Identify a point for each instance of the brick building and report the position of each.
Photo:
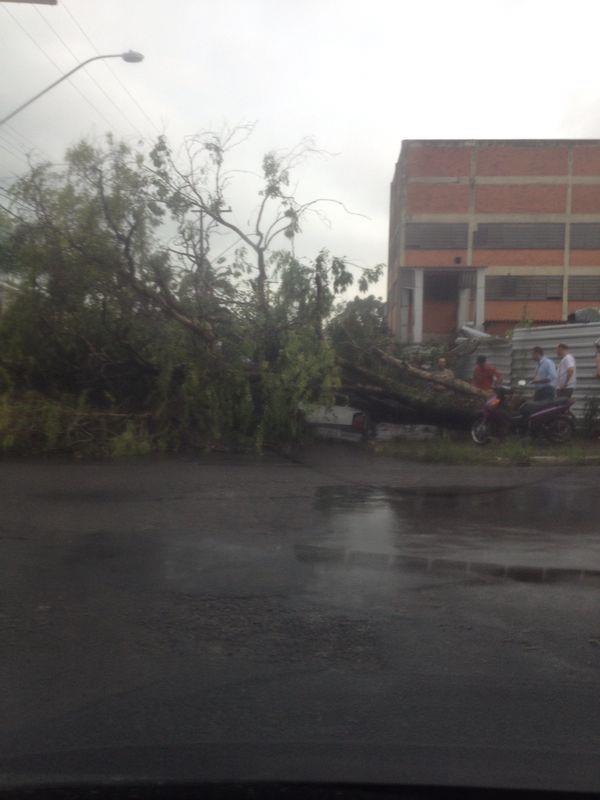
(492, 232)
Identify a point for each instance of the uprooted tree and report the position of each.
(147, 316)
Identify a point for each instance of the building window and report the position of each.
(436, 236)
(520, 236)
(526, 287)
(585, 236)
(584, 287)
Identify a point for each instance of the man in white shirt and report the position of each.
(566, 372)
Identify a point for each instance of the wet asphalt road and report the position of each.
(333, 617)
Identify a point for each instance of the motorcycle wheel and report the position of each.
(560, 430)
(480, 431)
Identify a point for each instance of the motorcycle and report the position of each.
(501, 416)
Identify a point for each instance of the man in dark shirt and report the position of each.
(485, 376)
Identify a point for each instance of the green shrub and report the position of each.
(134, 441)
(590, 424)
(34, 425)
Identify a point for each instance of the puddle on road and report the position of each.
(535, 533)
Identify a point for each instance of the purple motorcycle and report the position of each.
(502, 416)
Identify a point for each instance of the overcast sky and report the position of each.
(358, 76)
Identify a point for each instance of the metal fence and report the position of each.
(512, 357)
(498, 353)
(580, 339)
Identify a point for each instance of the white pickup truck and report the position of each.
(338, 422)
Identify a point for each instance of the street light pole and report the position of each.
(130, 56)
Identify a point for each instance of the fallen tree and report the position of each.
(381, 376)
(412, 389)
(454, 384)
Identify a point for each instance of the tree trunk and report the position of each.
(455, 384)
(415, 393)
(261, 282)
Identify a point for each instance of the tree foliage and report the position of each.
(141, 301)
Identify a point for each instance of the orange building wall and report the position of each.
(585, 199)
(517, 310)
(586, 159)
(434, 258)
(518, 258)
(521, 199)
(441, 198)
(439, 317)
(439, 162)
(522, 160)
(585, 258)
(507, 200)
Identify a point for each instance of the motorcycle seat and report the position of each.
(532, 406)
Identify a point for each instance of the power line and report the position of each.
(19, 141)
(9, 147)
(20, 137)
(8, 211)
(90, 76)
(18, 204)
(229, 246)
(111, 70)
(20, 207)
(6, 193)
(54, 64)
(23, 141)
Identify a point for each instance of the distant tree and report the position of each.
(358, 326)
(195, 185)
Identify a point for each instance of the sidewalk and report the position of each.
(356, 465)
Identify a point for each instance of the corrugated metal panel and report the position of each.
(579, 338)
(513, 357)
(520, 236)
(497, 351)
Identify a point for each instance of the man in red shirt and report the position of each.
(485, 376)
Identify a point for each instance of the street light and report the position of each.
(130, 56)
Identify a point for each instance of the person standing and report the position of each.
(566, 376)
(443, 371)
(597, 343)
(544, 377)
(485, 376)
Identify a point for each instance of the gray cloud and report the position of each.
(357, 76)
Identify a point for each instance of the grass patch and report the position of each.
(511, 451)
